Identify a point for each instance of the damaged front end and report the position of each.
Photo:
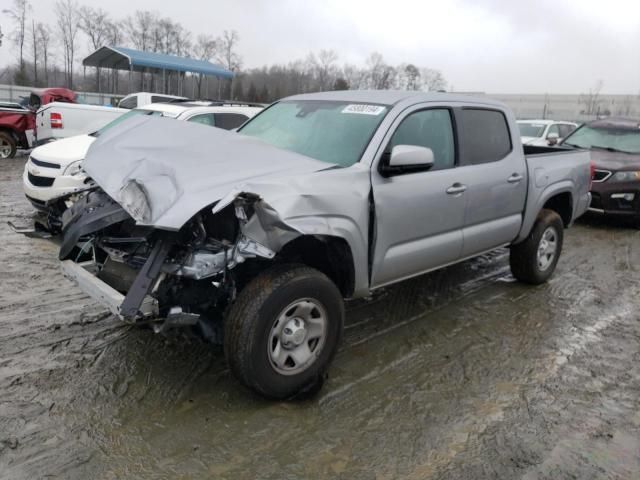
(168, 278)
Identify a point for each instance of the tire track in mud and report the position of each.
(461, 373)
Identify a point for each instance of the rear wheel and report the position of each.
(8, 147)
(534, 260)
(283, 331)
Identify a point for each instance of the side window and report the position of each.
(131, 102)
(565, 129)
(229, 121)
(160, 99)
(555, 128)
(205, 119)
(428, 128)
(484, 136)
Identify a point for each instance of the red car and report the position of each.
(17, 123)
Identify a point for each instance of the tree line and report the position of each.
(48, 54)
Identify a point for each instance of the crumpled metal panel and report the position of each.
(18, 121)
(185, 167)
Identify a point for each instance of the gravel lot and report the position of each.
(461, 374)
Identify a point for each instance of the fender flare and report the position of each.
(531, 211)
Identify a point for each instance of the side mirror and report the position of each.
(407, 159)
(411, 156)
(553, 138)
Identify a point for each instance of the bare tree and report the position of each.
(34, 50)
(432, 80)
(67, 16)
(1, 35)
(19, 14)
(95, 24)
(379, 76)
(115, 36)
(227, 55)
(139, 28)
(408, 77)
(43, 36)
(226, 52)
(591, 100)
(324, 68)
(204, 49)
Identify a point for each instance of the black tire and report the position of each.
(249, 322)
(524, 256)
(7, 138)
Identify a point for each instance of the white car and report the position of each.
(53, 174)
(544, 132)
(58, 120)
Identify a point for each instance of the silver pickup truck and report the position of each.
(318, 198)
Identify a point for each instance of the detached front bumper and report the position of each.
(101, 292)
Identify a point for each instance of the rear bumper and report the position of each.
(101, 292)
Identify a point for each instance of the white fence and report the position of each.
(14, 93)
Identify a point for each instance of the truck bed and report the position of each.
(552, 171)
(76, 119)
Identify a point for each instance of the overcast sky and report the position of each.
(495, 46)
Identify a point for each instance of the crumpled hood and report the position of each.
(182, 167)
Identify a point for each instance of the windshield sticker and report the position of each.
(363, 109)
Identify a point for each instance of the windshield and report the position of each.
(122, 118)
(622, 140)
(531, 129)
(332, 132)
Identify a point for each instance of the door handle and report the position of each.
(456, 188)
(515, 178)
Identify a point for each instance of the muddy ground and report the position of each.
(461, 374)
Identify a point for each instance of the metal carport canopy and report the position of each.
(121, 58)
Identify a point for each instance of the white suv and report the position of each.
(544, 132)
(53, 173)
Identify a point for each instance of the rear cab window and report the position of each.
(161, 99)
(483, 135)
(229, 121)
(129, 103)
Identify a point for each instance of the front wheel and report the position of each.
(534, 260)
(8, 147)
(283, 331)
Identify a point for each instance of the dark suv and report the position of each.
(615, 153)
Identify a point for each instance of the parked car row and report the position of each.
(544, 132)
(50, 114)
(254, 237)
(53, 175)
(615, 152)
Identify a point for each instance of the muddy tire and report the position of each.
(8, 147)
(283, 330)
(534, 260)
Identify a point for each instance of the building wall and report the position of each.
(569, 107)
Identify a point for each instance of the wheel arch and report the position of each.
(331, 255)
(557, 197)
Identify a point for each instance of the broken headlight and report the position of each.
(134, 200)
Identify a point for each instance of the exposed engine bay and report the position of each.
(190, 275)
